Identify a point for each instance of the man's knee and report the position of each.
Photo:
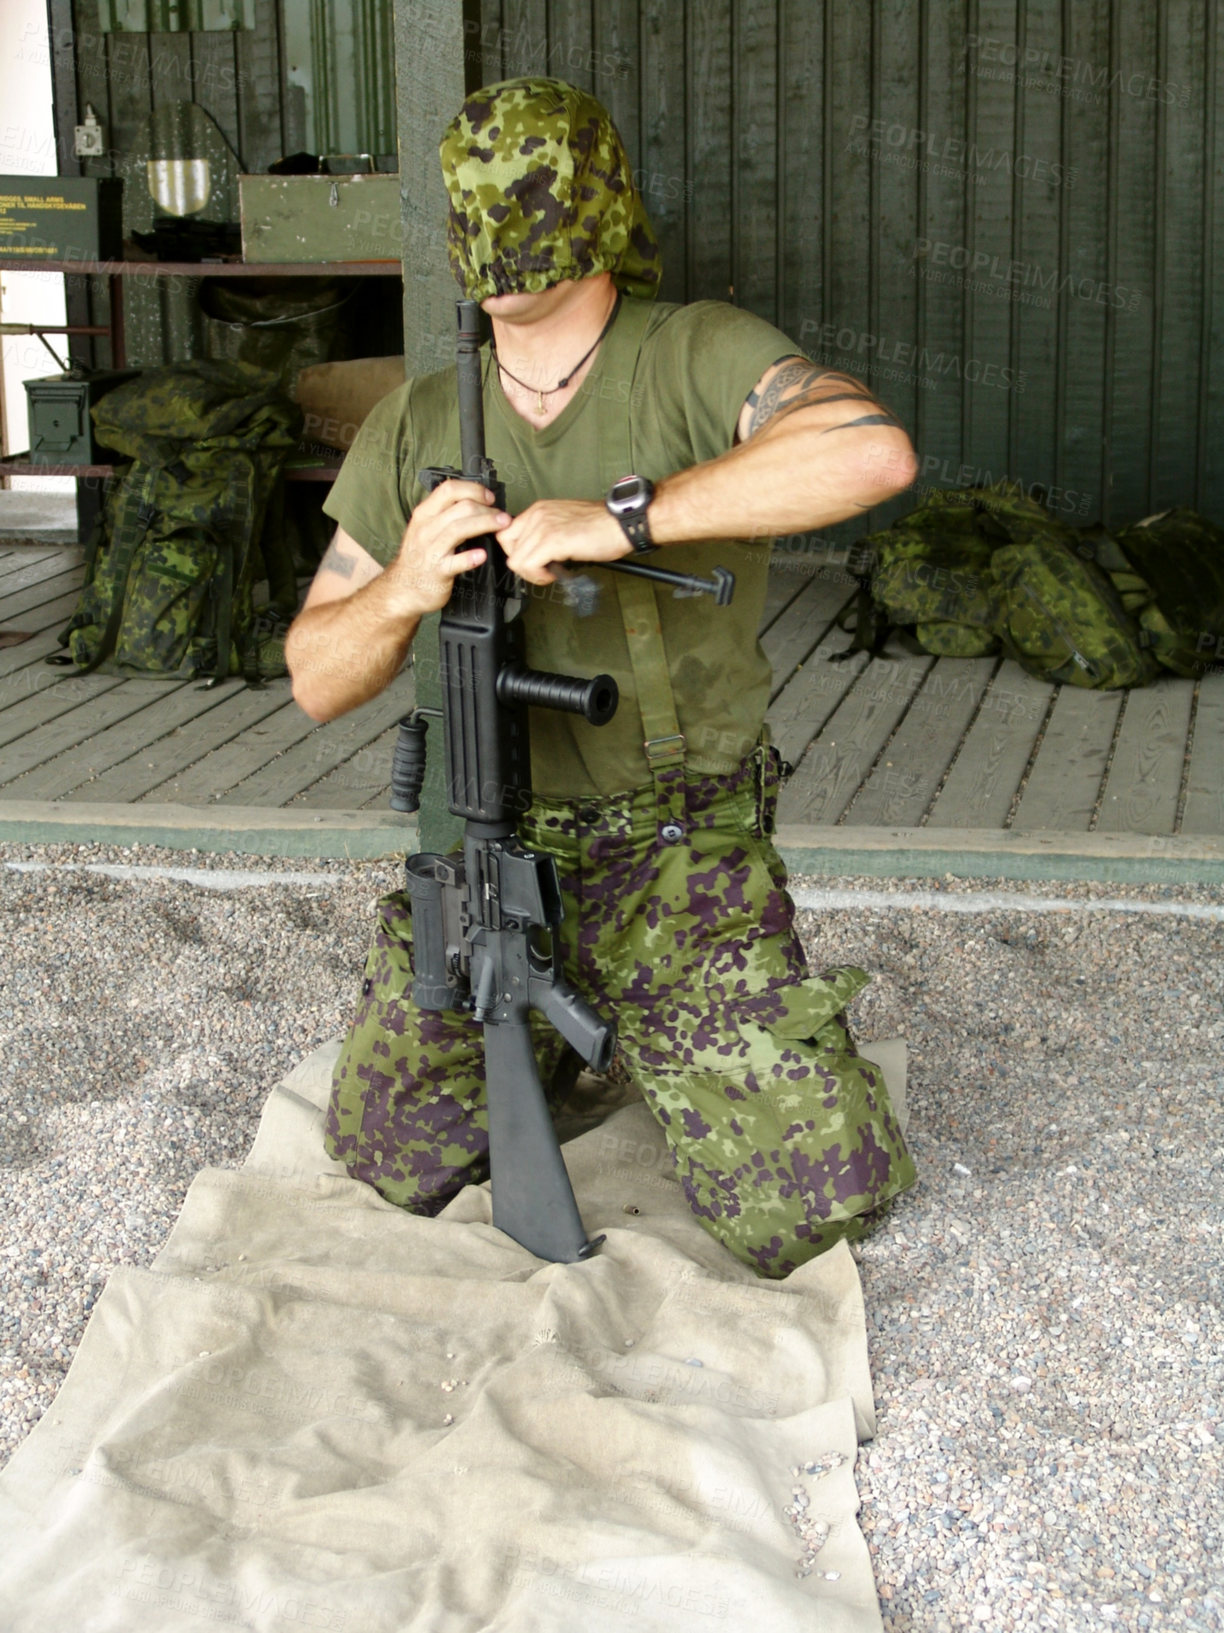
(761, 1219)
(782, 1160)
(776, 1252)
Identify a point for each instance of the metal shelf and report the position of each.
(17, 465)
(115, 270)
(207, 269)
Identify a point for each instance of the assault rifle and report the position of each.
(486, 923)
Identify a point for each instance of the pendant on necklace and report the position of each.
(539, 402)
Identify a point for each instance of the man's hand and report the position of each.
(559, 530)
(421, 577)
(352, 635)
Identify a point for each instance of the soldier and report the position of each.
(677, 918)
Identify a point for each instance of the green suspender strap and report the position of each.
(662, 738)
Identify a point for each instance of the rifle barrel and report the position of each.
(471, 393)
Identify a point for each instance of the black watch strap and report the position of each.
(629, 500)
(637, 531)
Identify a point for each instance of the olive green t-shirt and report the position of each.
(676, 406)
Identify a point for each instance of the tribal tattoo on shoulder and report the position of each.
(799, 383)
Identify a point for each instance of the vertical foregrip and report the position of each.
(533, 1200)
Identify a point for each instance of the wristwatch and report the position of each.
(628, 500)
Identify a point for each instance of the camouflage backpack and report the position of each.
(930, 579)
(189, 528)
(1178, 556)
(975, 571)
(1061, 615)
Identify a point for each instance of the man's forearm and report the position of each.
(794, 476)
(345, 652)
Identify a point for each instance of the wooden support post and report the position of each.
(82, 351)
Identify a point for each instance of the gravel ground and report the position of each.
(1044, 1310)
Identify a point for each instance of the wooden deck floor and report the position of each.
(901, 743)
(102, 739)
(979, 743)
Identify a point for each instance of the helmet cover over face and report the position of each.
(541, 190)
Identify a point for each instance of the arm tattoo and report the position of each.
(795, 382)
(336, 562)
(801, 384)
(867, 419)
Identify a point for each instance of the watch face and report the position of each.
(626, 490)
(630, 496)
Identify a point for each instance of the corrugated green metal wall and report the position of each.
(1008, 217)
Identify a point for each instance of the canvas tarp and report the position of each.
(315, 1411)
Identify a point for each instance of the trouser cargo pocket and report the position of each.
(408, 1112)
(785, 1137)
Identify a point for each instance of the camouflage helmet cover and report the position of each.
(541, 190)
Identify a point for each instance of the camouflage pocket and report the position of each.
(784, 1135)
(407, 1110)
(386, 984)
(168, 588)
(771, 771)
(366, 1050)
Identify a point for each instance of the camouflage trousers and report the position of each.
(783, 1136)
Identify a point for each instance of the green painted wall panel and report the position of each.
(1180, 192)
(1020, 282)
(696, 91)
(801, 198)
(1135, 123)
(523, 32)
(1005, 215)
(756, 224)
(940, 252)
(659, 152)
(617, 70)
(896, 203)
(982, 371)
(851, 163)
(1083, 222)
(1211, 402)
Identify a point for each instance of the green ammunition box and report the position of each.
(61, 431)
(61, 218)
(320, 218)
